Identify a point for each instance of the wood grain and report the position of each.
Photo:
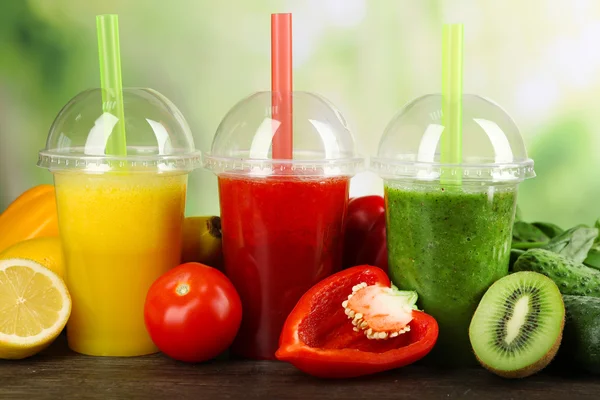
(61, 374)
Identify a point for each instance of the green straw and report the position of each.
(110, 79)
(452, 91)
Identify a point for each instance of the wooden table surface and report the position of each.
(58, 373)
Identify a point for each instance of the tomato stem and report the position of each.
(182, 289)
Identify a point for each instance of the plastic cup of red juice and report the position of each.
(282, 219)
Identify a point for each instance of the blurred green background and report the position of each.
(539, 59)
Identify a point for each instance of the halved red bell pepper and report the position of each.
(320, 339)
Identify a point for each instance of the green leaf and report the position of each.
(551, 230)
(574, 243)
(528, 245)
(518, 215)
(593, 258)
(526, 232)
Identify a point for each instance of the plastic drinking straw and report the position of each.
(107, 26)
(452, 91)
(281, 84)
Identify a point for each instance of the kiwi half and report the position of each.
(517, 327)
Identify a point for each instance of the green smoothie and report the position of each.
(449, 244)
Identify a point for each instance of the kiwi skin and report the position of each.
(537, 366)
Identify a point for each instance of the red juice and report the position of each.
(281, 235)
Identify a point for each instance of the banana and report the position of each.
(202, 241)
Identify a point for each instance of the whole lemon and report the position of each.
(46, 251)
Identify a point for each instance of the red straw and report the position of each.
(281, 84)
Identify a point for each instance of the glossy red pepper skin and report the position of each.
(318, 338)
(365, 235)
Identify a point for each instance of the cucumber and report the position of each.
(580, 346)
(571, 278)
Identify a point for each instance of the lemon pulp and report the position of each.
(34, 307)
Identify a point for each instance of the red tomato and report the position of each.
(374, 249)
(365, 236)
(192, 312)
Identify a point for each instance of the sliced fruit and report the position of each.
(45, 250)
(202, 241)
(380, 311)
(517, 327)
(318, 339)
(34, 307)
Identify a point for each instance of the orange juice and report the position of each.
(120, 232)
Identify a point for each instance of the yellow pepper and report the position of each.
(31, 215)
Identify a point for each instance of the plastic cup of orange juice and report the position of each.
(120, 216)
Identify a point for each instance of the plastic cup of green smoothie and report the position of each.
(449, 226)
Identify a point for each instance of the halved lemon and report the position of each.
(34, 307)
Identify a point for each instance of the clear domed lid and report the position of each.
(322, 143)
(492, 146)
(158, 138)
